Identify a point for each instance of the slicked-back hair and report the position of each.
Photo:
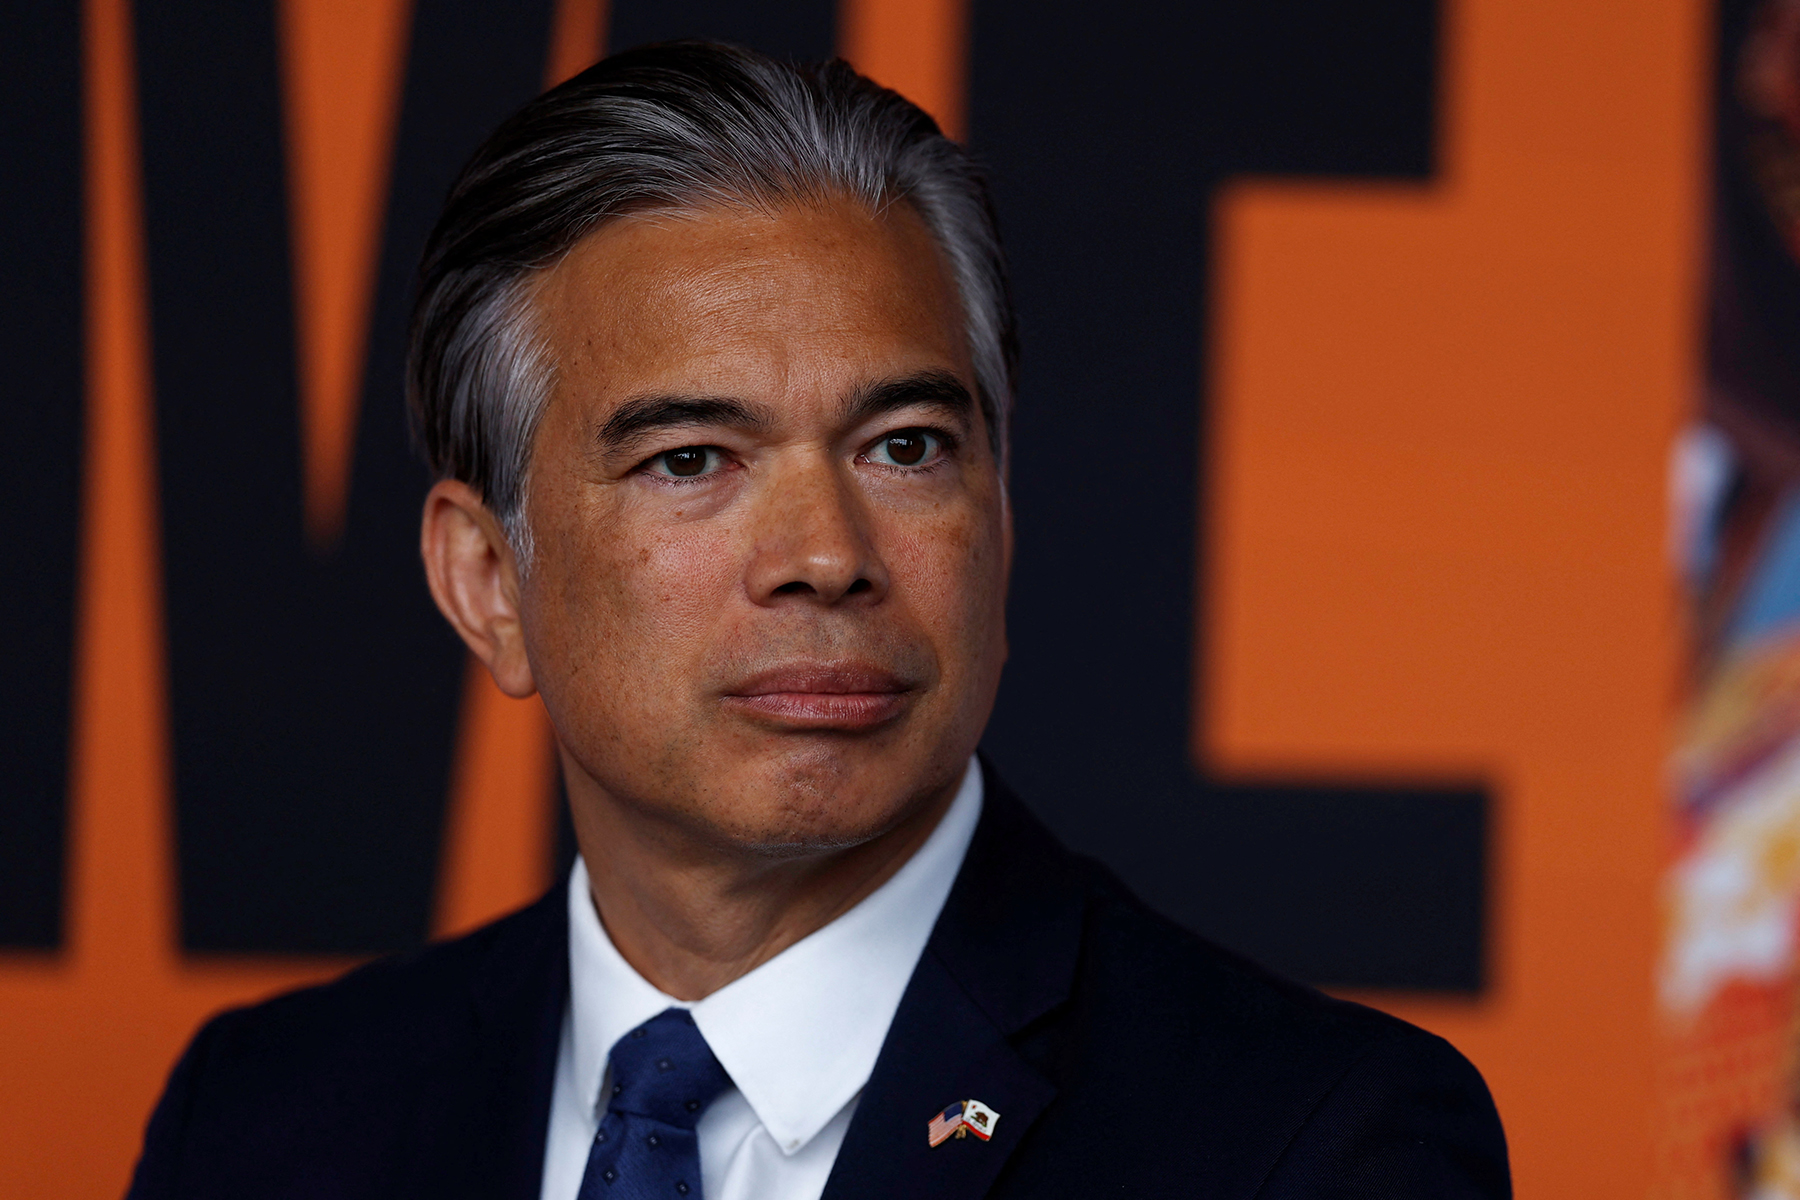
(681, 127)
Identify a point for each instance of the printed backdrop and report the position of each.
(1729, 970)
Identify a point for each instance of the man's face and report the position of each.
(767, 597)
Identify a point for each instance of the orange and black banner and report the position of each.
(313, 693)
(1354, 338)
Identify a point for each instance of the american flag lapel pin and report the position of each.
(945, 1123)
(960, 1120)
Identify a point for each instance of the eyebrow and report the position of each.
(641, 416)
(930, 389)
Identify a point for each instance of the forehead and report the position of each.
(809, 298)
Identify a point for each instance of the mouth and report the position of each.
(817, 696)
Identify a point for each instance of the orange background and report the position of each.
(1445, 407)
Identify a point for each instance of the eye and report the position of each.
(689, 462)
(906, 448)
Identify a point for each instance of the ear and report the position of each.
(475, 581)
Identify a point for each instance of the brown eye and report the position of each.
(686, 462)
(908, 448)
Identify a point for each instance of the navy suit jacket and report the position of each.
(1125, 1056)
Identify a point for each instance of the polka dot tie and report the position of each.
(663, 1077)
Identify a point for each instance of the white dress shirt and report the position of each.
(798, 1035)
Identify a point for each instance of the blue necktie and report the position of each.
(663, 1076)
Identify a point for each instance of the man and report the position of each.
(713, 358)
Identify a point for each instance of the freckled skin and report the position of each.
(644, 607)
(716, 835)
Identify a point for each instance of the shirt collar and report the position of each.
(799, 1035)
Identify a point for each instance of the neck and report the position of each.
(690, 915)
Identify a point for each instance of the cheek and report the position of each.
(953, 571)
(632, 614)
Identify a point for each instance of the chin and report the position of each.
(819, 804)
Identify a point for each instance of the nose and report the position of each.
(813, 543)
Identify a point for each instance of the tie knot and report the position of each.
(664, 1070)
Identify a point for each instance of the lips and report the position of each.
(822, 696)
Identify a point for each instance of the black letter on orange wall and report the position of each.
(1107, 127)
(41, 404)
(314, 695)
(798, 29)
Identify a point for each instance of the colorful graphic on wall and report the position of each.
(1729, 986)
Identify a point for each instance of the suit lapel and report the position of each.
(1002, 955)
(518, 999)
(940, 1049)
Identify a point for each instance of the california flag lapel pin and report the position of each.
(979, 1119)
(960, 1120)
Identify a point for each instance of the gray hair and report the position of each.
(679, 127)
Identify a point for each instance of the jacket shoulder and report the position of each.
(1145, 961)
(406, 1006)
(1273, 1086)
(346, 1075)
